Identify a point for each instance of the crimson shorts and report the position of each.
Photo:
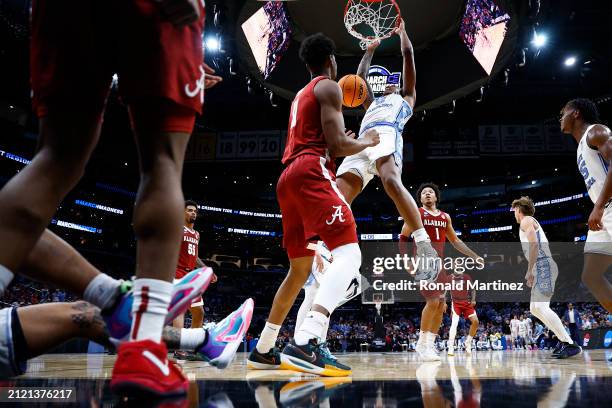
(443, 277)
(77, 46)
(463, 307)
(312, 206)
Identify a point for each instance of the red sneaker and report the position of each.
(143, 368)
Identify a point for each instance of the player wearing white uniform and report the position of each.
(387, 115)
(323, 258)
(542, 272)
(594, 155)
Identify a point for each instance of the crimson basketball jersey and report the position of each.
(189, 252)
(464, 294)
(305, 133)
(435, 226)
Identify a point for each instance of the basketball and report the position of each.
(354, 90)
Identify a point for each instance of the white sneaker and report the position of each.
(451, 350)
(429, 354)
(468, 348)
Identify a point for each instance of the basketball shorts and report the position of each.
(443, 277)
(363, 164)
(600, 242)
(313, 207)
(9, 367)
(352, 291)
(198, 301)
(78, 45)
(463, 307)
(545, 276)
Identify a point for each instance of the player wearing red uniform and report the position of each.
(189, 260)
(312, 206)
(156, 50)
(439, 227)
(463, 302)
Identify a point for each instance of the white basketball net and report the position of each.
(371, 20)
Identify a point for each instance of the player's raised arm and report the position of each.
(459, 245)
(329, 95)
(600, 137)
(409, 70)
(364, 68)
(528, 226)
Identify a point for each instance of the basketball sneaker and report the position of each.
(142, 368)
(119, 318)
(428, 354)
(325, 351)
(451, 350)
(264, 361)
(569, 350)
(468, 346)
(310, 359)
(557, 349)
(224, 339)
(430, 264)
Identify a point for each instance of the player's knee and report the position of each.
(392, 184)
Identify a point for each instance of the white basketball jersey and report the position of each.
(391, 110)
(543, 248)
(592, 166)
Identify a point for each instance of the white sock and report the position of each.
(338, 277)
(6, 276)
(542, 311)
(268, 337)
(309, 295)
(151, 300)
(431, 339)
(324, 332)
(192, 338)
(421, 340)
(312, 328)
(102, 291)
(420, 235)
(468, 341)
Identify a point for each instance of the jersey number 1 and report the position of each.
(437, 234)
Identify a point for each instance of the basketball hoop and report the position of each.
(371, 20)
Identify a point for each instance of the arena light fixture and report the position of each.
(570, 61)
(212, 44)
(539, 40)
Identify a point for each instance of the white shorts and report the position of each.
(600, 242)
(363, 164)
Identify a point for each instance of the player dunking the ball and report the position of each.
(542, 272)
(439, 227)
(387, 115)
(312, 206)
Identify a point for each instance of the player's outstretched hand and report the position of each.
(373, 46)
(180, 12)
(210, 80)
(595, 219)
(401, 27)
(371, 138)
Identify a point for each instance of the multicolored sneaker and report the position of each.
(309, 359)
(264, 361)
(557, 349)
(143, 369)
(119, 318)
(222, 342)
(326, 353)
(569, 350)
(429, 262)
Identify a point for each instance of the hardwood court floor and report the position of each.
(366, 366)
(494, 378)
